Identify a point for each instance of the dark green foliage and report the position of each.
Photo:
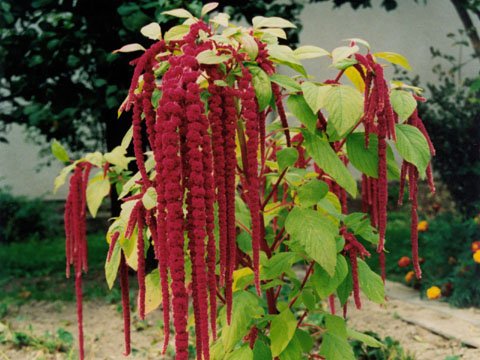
(22, 218)
(391, 350)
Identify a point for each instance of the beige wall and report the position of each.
(409, 30)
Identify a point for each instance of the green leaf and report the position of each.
(271, 22)
(300, 109)
(153, 293)
(286, 82)
(359, 224)
(111, 267)
(285, 55)
(294, 349)
(282, 330)
(325, 284)
(62, 177)
(335, 347)
(305, 340)
(326, 158)
(98, 187)
(149, 199)
(345, 107)
(343, 52)
(345, 288)
(371, 283)
(117, 157)
(208, 7)
(129, 48)
(221, 19)
(315, 95)
(403, 103)
(394, 58)
(261, 351)
(262, 86)
(277, 265)
(249, 45)
(366, 339)
(345, 64)
(309, 52)
(412, 146)
(315, 234)
(286, 157)
(364, 159)
(312, 192)
(246, 307)
(152, 31)
(180, 13)
(242, 353)
(59, 152)
(336, 325)
(210, 57)
(359, 41)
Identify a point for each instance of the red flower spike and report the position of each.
(125, 302)
(141, 264)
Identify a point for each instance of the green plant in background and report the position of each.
(391, 349)
(231, 203)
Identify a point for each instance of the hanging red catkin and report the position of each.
(230, 122)
(141, 263)
(413, 177)
(113, 242)
(125, 302)
(250, 115)
(331, 303)
(356, 287)
(281, 112)
(137, 140)
(170, 118)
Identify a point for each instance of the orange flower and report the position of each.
(404, 261)
(434, 292)
(422, 226)
(476, 256)
(409, 276)
(475, 246)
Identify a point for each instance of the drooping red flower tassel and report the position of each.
(125, 302)
(141, 264)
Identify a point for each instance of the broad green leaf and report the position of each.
(221, 19)
(208, 7)
(129, 48)
(305, 340)
(309, 52)
(152, 31)
(247, 308)
(359, 224)
(336, 325)
(262, 86)
(250, 46)
(336, 347)
(210, 57)
(364, 159)
(315, 95)
(98, 187)
(286, 157)
(96, 158)
(261, 351)
(285, 55)
(59, 152)
(271, 22)
(180, 13)
(366, 339)
(345, 288)
(412, 146)
(286, 82)
(345, 107)
(343, 52)
(117, 157)
(242, 353)
(242, 278)
(300, 109)
(294, 349)
(111, 267)
(282, 330)
(153, 293)
(62, 177)
(129, 185)
(345, 64)
(277, 32)
(403, 103)
(176, 32)
(370, 283)
(312, 192)
(149, 199)
(277, 265)
(315, 234)
(325, 284)
(394, 58)
(326, 158)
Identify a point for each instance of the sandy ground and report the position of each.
(104, 339)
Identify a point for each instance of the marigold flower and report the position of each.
(404, 261)
(434, 292)
(409, 276)
(476, 256)
(422, 226)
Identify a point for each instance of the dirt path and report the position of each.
(104, 339)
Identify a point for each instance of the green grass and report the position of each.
(35, 270)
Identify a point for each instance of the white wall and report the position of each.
(410, 30)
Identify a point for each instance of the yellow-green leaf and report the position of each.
(208, 7)
(352, 74)
(309, 52)
(180, 13)
(345, 107)
(282, 330)
(153, 293)
(59, 152)
(98, 187)
(149, 199)
(176, 32)
(394, 58)
(271, 22)
(210, 57)
(412, 146)
(62, 177)
(221, 19)
(111, 267)
(152, 31)
(403, 103)
(129, 48)
(315, 95)
(343, 52)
